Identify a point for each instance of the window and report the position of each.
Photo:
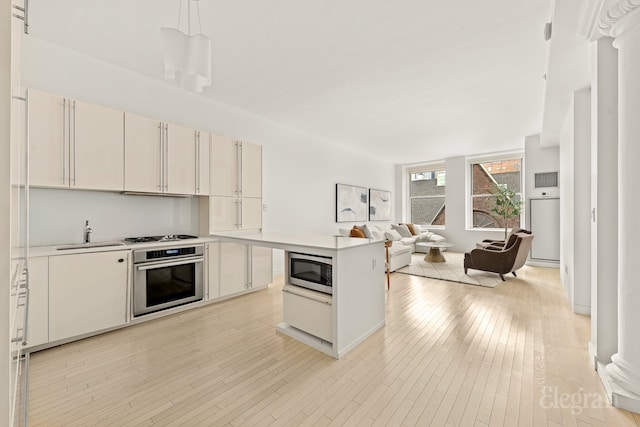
(427, 196)
(485, 178)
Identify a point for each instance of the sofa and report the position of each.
(404, 240)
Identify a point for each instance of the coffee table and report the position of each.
(434, 254)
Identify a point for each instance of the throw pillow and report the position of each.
(402, 230)
(344, 232)
(377, 235)
(392, 235)
(356, 232)
(411, 229)
(366, 230)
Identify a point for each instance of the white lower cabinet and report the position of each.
(244, 267)
(309, 311)
(213, 269)
(87, 293)
(233, 268)
(38, 332)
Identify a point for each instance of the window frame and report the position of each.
(425, 168)
(497, 157)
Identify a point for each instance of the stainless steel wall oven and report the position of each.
(166, 277)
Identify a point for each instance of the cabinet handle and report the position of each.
(160, 159)
(305, 296)
(197, 162)
(166, 157)
(240, 169)
(74, 142)
(64, 140)
(240, 213)
(23, 338)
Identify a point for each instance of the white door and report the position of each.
(251, 213)
(202, 163)
(224, 166)
(180, 164)
(48, 140)
(223, 213)
(87, 293)
(142, 154)
(261, 266)
(97, 147)
(251, 162)
(233, 268)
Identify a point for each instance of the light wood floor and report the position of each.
(450, 354)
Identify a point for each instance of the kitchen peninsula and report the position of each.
(332, 323)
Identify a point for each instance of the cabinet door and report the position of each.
(261, 266)
(97, 147)
(180, 160)
(48, 140)
(38, 301)
(224, 166)
(213, 270)
(251, 213)
(223, 213)
(251, 167)
(202, 163)
(87, 292)
(233, 268)
(142, 154)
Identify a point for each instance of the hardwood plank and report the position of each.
(449, 354)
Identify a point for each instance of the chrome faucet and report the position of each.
(87, 232)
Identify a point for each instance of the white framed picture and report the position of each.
(379, 205)
(352, 203)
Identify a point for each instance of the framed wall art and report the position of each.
(352, 203)
(379, 205)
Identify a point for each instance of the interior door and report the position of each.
(142, 154)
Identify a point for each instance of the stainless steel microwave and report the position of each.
(313, 272)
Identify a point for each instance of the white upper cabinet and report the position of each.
(236, 168)
(180, 159)
(74, 144)
(250, 170)
(97, 158)
(224, 166)
(250, 213)
(203, 157)
(143, 151)
(159, 157)
(48, 140)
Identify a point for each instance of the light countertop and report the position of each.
(280, 240)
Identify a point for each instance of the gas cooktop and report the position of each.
(167, 238)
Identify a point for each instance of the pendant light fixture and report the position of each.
(187, 56)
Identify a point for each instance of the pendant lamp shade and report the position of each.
(187, 58)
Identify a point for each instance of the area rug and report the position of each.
(451, 270)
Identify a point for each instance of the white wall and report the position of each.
(575, 202)
(299, 171)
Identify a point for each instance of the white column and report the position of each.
(622, 21)
(604, 203)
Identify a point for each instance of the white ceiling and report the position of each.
(407, 81)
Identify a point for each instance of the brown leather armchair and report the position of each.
(500, 243)
(500, 260)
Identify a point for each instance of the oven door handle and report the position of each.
(169, 264)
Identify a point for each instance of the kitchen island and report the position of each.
(332, 323)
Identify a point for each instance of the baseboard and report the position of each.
(582, 309)
(542, 263)
(617, 397)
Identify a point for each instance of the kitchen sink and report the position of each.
(87, 245)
